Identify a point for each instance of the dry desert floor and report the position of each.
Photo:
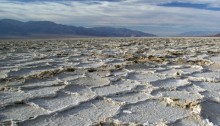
(110, 82)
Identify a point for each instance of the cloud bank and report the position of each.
(146, 15)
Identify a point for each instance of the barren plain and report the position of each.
(110, 82)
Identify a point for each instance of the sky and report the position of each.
(160, 17)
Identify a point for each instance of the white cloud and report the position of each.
(128, 13)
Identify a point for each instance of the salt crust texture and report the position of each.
(110, 82)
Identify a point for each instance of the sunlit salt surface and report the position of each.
(110, 81)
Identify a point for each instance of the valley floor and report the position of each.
(110, 81)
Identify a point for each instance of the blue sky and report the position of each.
(162, 17)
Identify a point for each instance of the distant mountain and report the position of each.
(9, 27)
(217, 35)
(197, 33)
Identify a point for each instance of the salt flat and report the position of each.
(110, 81)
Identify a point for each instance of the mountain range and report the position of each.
(9, 27)
(198, 34)
(217, 35)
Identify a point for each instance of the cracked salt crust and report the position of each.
(152, 111)
(106, 81)
(170, 83)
